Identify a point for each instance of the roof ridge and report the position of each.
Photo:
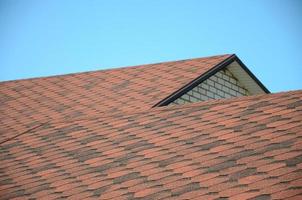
(115, 68)
(174, 107)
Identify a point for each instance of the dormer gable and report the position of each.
(230, 78)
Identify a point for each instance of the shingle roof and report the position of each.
(28, 103)
(240, 148)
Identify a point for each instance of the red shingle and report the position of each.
(99, 138)
(26, 103)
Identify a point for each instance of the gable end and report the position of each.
(230, 78)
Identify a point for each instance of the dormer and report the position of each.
(230, 78)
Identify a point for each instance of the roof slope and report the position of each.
(241, 148)
(25, 104)
(98, 135)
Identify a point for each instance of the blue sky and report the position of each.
(49, 37)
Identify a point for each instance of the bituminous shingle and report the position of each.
(209, 145)
(222, 166)
(243, 173)
(98, 135)
(186, 188)
(294, 161)
(262, 197)
(127, 177)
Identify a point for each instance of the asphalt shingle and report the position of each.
(240, 148)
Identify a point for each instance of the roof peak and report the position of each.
(127, 67)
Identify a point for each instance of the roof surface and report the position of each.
(240, 148)
(28, 103)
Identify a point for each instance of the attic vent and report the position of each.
(222, 84)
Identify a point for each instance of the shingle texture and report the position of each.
(240, 148)
(28, 103)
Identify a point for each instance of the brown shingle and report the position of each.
(117, 147)
(28, 103)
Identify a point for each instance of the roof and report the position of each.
(239, 148)
(28, 103)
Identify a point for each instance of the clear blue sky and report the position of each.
(49, 37)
